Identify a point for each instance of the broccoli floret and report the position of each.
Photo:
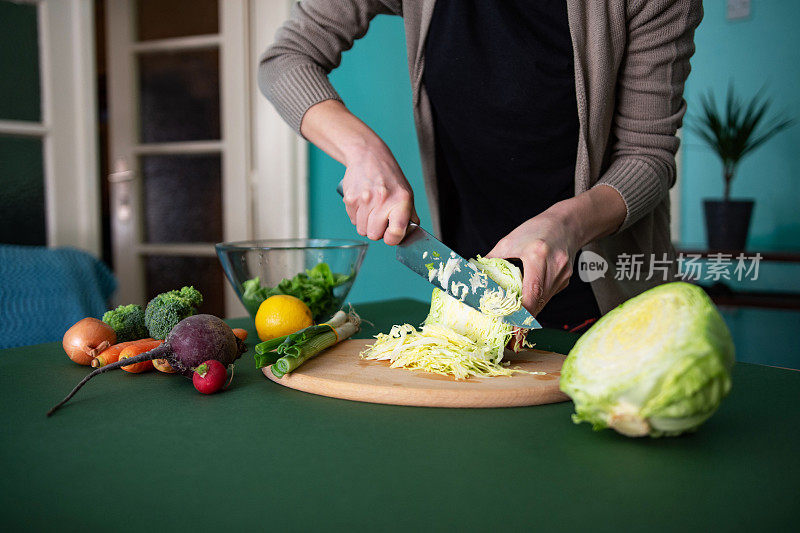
(127, 321)
(169, 308)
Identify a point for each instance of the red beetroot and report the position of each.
(209, 377)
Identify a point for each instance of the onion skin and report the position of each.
(86, 339)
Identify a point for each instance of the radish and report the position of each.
(193, 340)
(209, 377)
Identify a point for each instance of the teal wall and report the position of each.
(373, 81)
(762, 51)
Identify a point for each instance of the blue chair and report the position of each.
(43, 291)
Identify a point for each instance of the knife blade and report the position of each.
(423, 253)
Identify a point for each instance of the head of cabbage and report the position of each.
(658, 365)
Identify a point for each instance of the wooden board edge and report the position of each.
(397, 396)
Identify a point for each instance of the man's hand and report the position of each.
(547, 243)
(377, 196)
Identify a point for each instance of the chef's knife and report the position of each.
(423, 253)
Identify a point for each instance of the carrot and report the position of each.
(111, 354)
(162, 365)
(136, 349)
(241, 333)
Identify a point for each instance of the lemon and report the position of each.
(281, 315)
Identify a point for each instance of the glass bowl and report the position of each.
(281, 260)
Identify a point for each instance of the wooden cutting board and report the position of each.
(339, 372)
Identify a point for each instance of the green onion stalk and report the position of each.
(287, 353)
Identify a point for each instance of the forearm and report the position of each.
(339, 133)
(377, 196)
(593, 214)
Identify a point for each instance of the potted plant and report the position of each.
(733, 133)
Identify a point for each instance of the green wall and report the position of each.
(19, 62)
(22, 208)
(373, 82)
(22, 204)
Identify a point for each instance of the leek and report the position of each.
(287, 353)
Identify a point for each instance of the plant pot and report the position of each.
(727, 223)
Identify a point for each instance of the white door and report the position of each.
(188, 159)
(49, 189)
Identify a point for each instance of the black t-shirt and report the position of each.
(500, 78)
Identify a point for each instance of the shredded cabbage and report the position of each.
(499, 303)
(455, 339)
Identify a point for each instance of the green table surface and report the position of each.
(135, 452)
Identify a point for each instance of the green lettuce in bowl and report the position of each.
(314, 287)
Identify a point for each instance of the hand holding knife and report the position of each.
(420, 251)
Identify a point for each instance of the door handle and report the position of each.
(120, 180)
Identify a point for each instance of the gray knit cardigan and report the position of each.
(631, 62)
